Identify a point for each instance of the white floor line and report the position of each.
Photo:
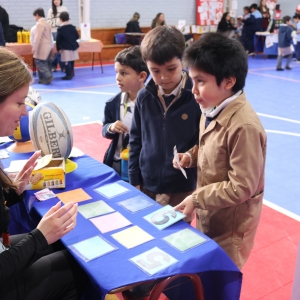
(87, 123)
(278, 118)
(281, 210)
(283, 132)
(274, 76)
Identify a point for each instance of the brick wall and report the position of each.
(105, 13)
(116, 13)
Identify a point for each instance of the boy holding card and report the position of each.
(131, 74)
(165, 116)
(231, 154)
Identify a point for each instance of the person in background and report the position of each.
(239, 29)
(231, 154)
(159, 20)
(265, 14)
(258, 17)
(284, 43)
(33, 265)
(131, 74)
(54, 21)
(133, 27)
(248, 31)
(42, 47)
(2, 39)
(297, 21)
(4, 20)
(66, 43)
(225, 27)
(165, 115)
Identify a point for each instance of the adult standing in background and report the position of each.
(159, 20)
(53, 20)
(4, 20)
(225, 27)
(133, 27)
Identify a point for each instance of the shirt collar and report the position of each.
(175, 92)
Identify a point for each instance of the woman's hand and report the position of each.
(186, 207)
(58, 221)
(184, 161)
(24, 174)
(118, 127)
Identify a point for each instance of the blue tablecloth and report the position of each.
(220, 277)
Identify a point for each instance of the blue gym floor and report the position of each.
(273, 95)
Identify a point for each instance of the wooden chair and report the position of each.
(160, 287)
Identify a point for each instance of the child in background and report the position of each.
(284, 43)
(42, 47)
(66, 43)
(231, 154)
(297, 19)
(131, 74)
(165, 115)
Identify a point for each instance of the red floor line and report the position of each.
(275, 290)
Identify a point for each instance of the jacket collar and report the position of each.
(225, 115)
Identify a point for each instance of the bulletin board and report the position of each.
(209, 12)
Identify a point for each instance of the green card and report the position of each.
(185, 239)
(95, 209)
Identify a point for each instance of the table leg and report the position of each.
(100, 59)
(93, 62)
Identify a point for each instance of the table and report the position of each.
(133, 37)
(92, 46)
(220, 277)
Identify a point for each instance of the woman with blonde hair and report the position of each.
(159, 20)
(29, 267)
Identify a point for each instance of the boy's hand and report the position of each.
(184, 160)
(118, 127)
(186, 207)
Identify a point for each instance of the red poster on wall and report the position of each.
(209, 12)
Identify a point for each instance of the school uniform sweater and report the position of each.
(153, 136)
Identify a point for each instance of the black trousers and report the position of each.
(69, 68)
(54, 276)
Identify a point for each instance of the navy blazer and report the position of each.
(111, 115)
(66, 38)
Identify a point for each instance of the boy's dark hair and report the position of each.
(40, 12)
(64, 16)
(286, 19)
(247, 8)
(162, 44)
(296, 16)
(132, 57)
(219, 56)
(254, 6)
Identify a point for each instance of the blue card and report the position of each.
(92, 248)
(137, 203)
(153, 260)
(164, 217)
(111, 190)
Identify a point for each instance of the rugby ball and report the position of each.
(21, 133)
(50, 130)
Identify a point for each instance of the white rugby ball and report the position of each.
(50, 130)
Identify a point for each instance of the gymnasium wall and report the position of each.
(116, 13)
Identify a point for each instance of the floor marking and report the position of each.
(274, 76)
(281, 210)
(88, 123)
(279, 118)
(282, 132)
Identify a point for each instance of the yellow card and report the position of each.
(77, 195)
(132, 237)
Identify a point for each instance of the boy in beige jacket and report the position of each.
(232, 147)
(42, 46)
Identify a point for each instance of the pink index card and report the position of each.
(110, 222)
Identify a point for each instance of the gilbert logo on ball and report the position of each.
(50, 130)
